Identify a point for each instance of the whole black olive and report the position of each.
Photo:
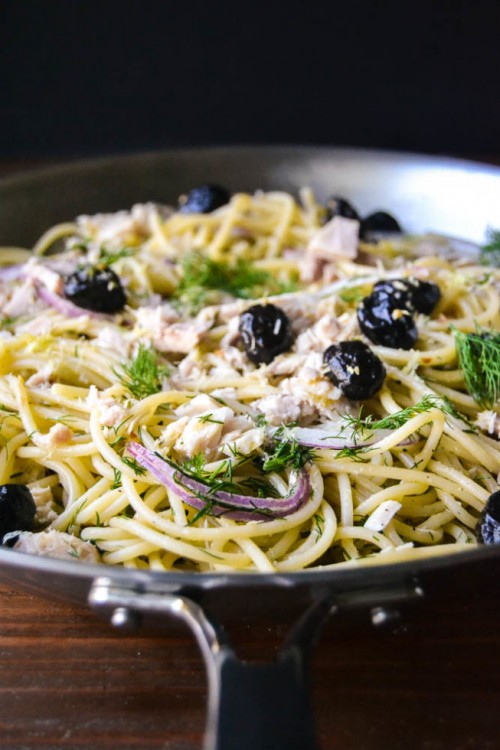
(397, 291)
(384, 323)
(411, 293)
(265, 332)
(204, 199)
(379, 223)
(336, 206)
(489, 525)
(425, 295)
(95, 288)
(17, 509)
(355, 368)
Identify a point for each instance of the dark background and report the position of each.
(81, 78)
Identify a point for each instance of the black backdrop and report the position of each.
(80, 78)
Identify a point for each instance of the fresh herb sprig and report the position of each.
(287, 453)
(202, 276)
(134, 465)
(219, 479)
(143, 376)
(490, 252)
(108, 257)
(392, 421)
(479, 358)
(352, 452)
(361, 425)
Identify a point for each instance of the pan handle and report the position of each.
(265, 706)
(250, 706)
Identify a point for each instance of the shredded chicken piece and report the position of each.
(111, 338)
(45, 505)
(198, 405)
(42, 377)
(202, 434)
(22, 301)
(110, 412)
(282, 409)
(122, 226)
(338, 238)
(489, 422)
(56, 544)
(188, 369)
(59, 434)
(319, 336)
(179, 337)
(204, 426)
(42, 274)
(313, 268)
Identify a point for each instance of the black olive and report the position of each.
(265, 332)
(425, 295)
(489, 524)
(355, 368)
(17, 509)
(384, 323)
(204, 199)
(336, 206)
(397, 291)
(411, 293)
(95, 288)
(10, 539)
(379, 223)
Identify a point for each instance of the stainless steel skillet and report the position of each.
(251, 706)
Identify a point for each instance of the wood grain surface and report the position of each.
(430, 681)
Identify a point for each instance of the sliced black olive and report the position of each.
(386, 324)
(354, 368)
(414, 294)
(204, 199)
(17, 509)
(379, 223)
(95, 288)
(489, 524)
(336, 206)
(265, 332)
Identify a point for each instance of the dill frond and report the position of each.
(202, 277)
(490, 252)
(143, 376)
(396, 420)
(287, 453)
(479, 358)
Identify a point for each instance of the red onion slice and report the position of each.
(319, 437)
(64, 306)
(12, 273)
(220, 503)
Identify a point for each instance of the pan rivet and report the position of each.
(125, 618)
(382, 616)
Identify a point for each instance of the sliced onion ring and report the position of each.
(12, 273)
(319, 437)
(62, 305)
(220, 503)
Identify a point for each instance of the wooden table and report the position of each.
(428, 682)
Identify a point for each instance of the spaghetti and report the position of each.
(150, 438)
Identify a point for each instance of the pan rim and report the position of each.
(372, 572)
(36, 174)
